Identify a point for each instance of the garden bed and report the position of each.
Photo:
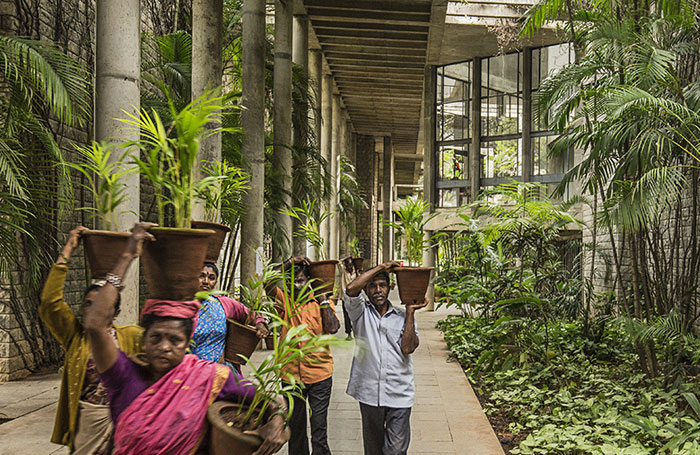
(583, 396)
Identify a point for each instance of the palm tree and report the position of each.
(629, 102)
(39, 83)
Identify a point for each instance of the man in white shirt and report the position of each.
(381, 378)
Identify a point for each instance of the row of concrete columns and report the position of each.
(118, 57)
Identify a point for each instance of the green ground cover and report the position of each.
(582, 396)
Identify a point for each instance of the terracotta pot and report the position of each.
(413, 283)
(240, 339)
(225, 439)
(173, 262)
(324, 274)
(357, 264)
(102, 249)
(216, 240)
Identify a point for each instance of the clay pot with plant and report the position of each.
(242, 339)
(229, 420)
(169, 157)
(103, 180)
(412, 217)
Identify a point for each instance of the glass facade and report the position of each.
(507, 141)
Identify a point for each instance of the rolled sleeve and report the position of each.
(355, 306)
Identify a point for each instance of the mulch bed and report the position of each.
(499, 423)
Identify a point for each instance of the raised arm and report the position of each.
(53, 310)
(356, 285)
(409, 338)
(99, 315)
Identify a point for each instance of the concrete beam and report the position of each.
(414, 6)
(370, 51)
(369, 26)
(407, 157)
(360, 57)
(373, 42)
(369, 16)
(373, 65)
(382, 35)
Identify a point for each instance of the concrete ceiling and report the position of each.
(376, 51)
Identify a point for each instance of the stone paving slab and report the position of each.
(446, 419)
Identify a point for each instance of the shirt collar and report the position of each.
(389, 310)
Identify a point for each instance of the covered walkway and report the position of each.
(446, 419)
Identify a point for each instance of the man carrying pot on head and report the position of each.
(381, 378)
(298, 306)
(82, 420)
(347, 274)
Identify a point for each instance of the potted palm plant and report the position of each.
(413, 280)
(169, 156)
(232, 183)
(241, 339)
(229, 420)
(323, 271)
(103, 181)
(357, 260)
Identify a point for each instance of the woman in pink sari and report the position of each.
(159, 402)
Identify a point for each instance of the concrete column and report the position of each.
(282, 119)
(300, 56)
(475, 152)
(253, 123)
(387, 200)
(429, 175)
(326, 145)
(527, 168)
(429, 256)
(315, 78)
(207, 70)
(117, 78)
(335, 153)
(342, 155)
(429, 152)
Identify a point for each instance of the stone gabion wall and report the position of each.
(25, 343)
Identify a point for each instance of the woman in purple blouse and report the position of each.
(159, 402)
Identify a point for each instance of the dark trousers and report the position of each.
(319, 396)
(348, 322)
(385, 431)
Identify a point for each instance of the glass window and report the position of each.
(501, 158)
(454, 102)
(546, 61)
(501, 95)
(499, 119)
(544, 162)
(448, 197)
(453, 162)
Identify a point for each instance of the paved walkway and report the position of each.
(446, 418)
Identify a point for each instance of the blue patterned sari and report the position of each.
(209, 337)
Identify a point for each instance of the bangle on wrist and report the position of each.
(115, 281)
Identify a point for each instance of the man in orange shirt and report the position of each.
(314, 372)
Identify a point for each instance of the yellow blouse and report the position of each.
(63, 324)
